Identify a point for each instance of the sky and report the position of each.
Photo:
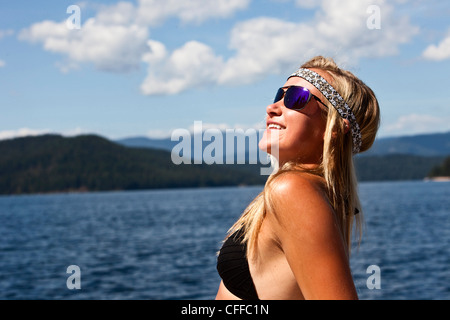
(148, 67)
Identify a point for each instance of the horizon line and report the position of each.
(157, 137)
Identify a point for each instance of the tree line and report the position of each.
(52, 163)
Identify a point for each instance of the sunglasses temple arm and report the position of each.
(320, 101)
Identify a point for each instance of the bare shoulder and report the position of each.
(294, 179)
(300, 203)
(300, 191)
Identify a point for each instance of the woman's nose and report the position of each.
(275, 109)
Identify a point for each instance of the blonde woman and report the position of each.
(293, 241)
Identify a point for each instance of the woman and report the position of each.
(293, 241)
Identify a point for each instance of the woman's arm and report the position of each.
(307, 231)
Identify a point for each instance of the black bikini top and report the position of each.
(233, 268)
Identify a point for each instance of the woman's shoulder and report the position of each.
(297, 183)
(299, 197)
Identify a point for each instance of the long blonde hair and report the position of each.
(337, 167)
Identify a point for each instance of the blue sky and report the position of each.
(148, 67)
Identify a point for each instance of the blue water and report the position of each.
(162, 244)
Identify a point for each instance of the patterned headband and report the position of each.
(336, 100)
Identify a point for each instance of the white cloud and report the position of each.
(417, 123)
(189, 66)
(153, 12)
(439, 52)
(267, 45)
(23, 132)
(2, 63)
(308, 4)
(76, 132)
(338, 29)
(27, 132)
(117, 39)
(122, 13)
(264, 46)
(109, 46)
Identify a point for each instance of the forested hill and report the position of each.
(442, 170)
(52, 163)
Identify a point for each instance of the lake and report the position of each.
(162, 244)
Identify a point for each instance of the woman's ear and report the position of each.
(346, 125)
(334, 134)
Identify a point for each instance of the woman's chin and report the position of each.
(271, 149)
(270, 142)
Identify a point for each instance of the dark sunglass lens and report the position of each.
(279, 95)
(296, 98)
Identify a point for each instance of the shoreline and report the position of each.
(438, 179)
(87, 191)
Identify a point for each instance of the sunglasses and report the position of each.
(295, 97)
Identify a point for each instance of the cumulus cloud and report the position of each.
(267, 45)
(439, 52)
(417, 123)
(153, 12)
(117, 39)
(307, 3)
(338, 29)
(122, 13)
(23, 132)
(189, 66)
(28, 132)
(109, 46)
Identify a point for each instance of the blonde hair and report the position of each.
(336, 167)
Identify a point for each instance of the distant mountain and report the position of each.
(403, 158)
(437, 144)
(395, 167)
(239, 145)
(144, 142)
(399, 158)
(52, 163)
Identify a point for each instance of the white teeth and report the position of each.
(274, 126)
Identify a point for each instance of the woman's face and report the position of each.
(298, 135)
